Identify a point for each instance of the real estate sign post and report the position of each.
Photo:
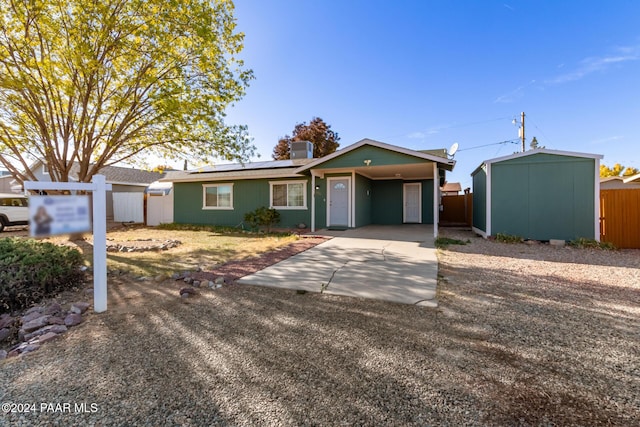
(69, 214)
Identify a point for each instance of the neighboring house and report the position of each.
(126, 200)
(620, 182)
(539, 194)
(451, 189)
(369, 182)
(5, 181)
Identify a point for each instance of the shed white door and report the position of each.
(412, 200)
(339, 206)
(128, 207)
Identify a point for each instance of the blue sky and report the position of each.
(426, 74)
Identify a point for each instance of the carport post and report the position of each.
(436, 200)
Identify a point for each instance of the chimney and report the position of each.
(301, 150)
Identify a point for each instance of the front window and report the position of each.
(217, 196)
(289, 194)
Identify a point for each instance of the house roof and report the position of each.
(632, 178)
(424, 155)
(114, 174)
(537, 151)
(123, 176)
(451, 186)
(249, 170)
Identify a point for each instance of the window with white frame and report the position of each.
(288, 194)
(217, 196)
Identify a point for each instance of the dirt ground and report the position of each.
(523, 335)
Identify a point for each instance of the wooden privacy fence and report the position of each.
(457, 210)
(620, 218)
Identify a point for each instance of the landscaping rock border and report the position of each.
(38, 325)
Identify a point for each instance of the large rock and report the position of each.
(31, 315)
(53, 309)
(73, 319)
(4, 334)
(55, 320)
(6, 321)
(56, 329)
(46, 337)
(188, 291)
(36, 323)
(79, 307)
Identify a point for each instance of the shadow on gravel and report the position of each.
(244, 355)
(542, 251)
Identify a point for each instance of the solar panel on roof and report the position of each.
(246, 166)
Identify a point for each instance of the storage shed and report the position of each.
(539, 195)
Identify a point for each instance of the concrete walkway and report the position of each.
(391, 263)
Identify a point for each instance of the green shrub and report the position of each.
(443, 242)
(31, 270)
(591, 243)
(262, 217)
(508, 238)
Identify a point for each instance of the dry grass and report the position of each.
(204, 249)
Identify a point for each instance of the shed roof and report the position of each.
(537, 151)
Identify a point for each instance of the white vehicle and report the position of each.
(14, 210)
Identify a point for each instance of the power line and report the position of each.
(511, 141)
(537, 127)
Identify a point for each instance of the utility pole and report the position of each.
(522, 131)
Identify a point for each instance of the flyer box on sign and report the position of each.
(53, 215)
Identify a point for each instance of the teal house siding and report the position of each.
(427, 201)
(363, 200)
(479, 220)
(378, 157)
(321, 203)
(386, 202)
(248, 195)
(538, 196)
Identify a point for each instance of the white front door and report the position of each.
(412, 199)
(339, 206)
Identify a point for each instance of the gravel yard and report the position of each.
(523, 335)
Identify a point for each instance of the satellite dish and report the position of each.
(452, 151)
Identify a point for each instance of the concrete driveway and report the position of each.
(391, 263)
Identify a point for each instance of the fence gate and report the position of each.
(620, 218)
(457, 210)
(128, 207)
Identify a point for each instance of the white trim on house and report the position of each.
(353, 199)
(349, 209)
(313, 203)
(487, 224)
(290, 208)
(543, 151)
(479, 232)
(596, 200)
(216, 208)
(436, 200)
(628, 179)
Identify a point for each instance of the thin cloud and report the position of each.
(594, 64)
(416, 135)
(515, 94)
(511, 8)
(608, 139)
